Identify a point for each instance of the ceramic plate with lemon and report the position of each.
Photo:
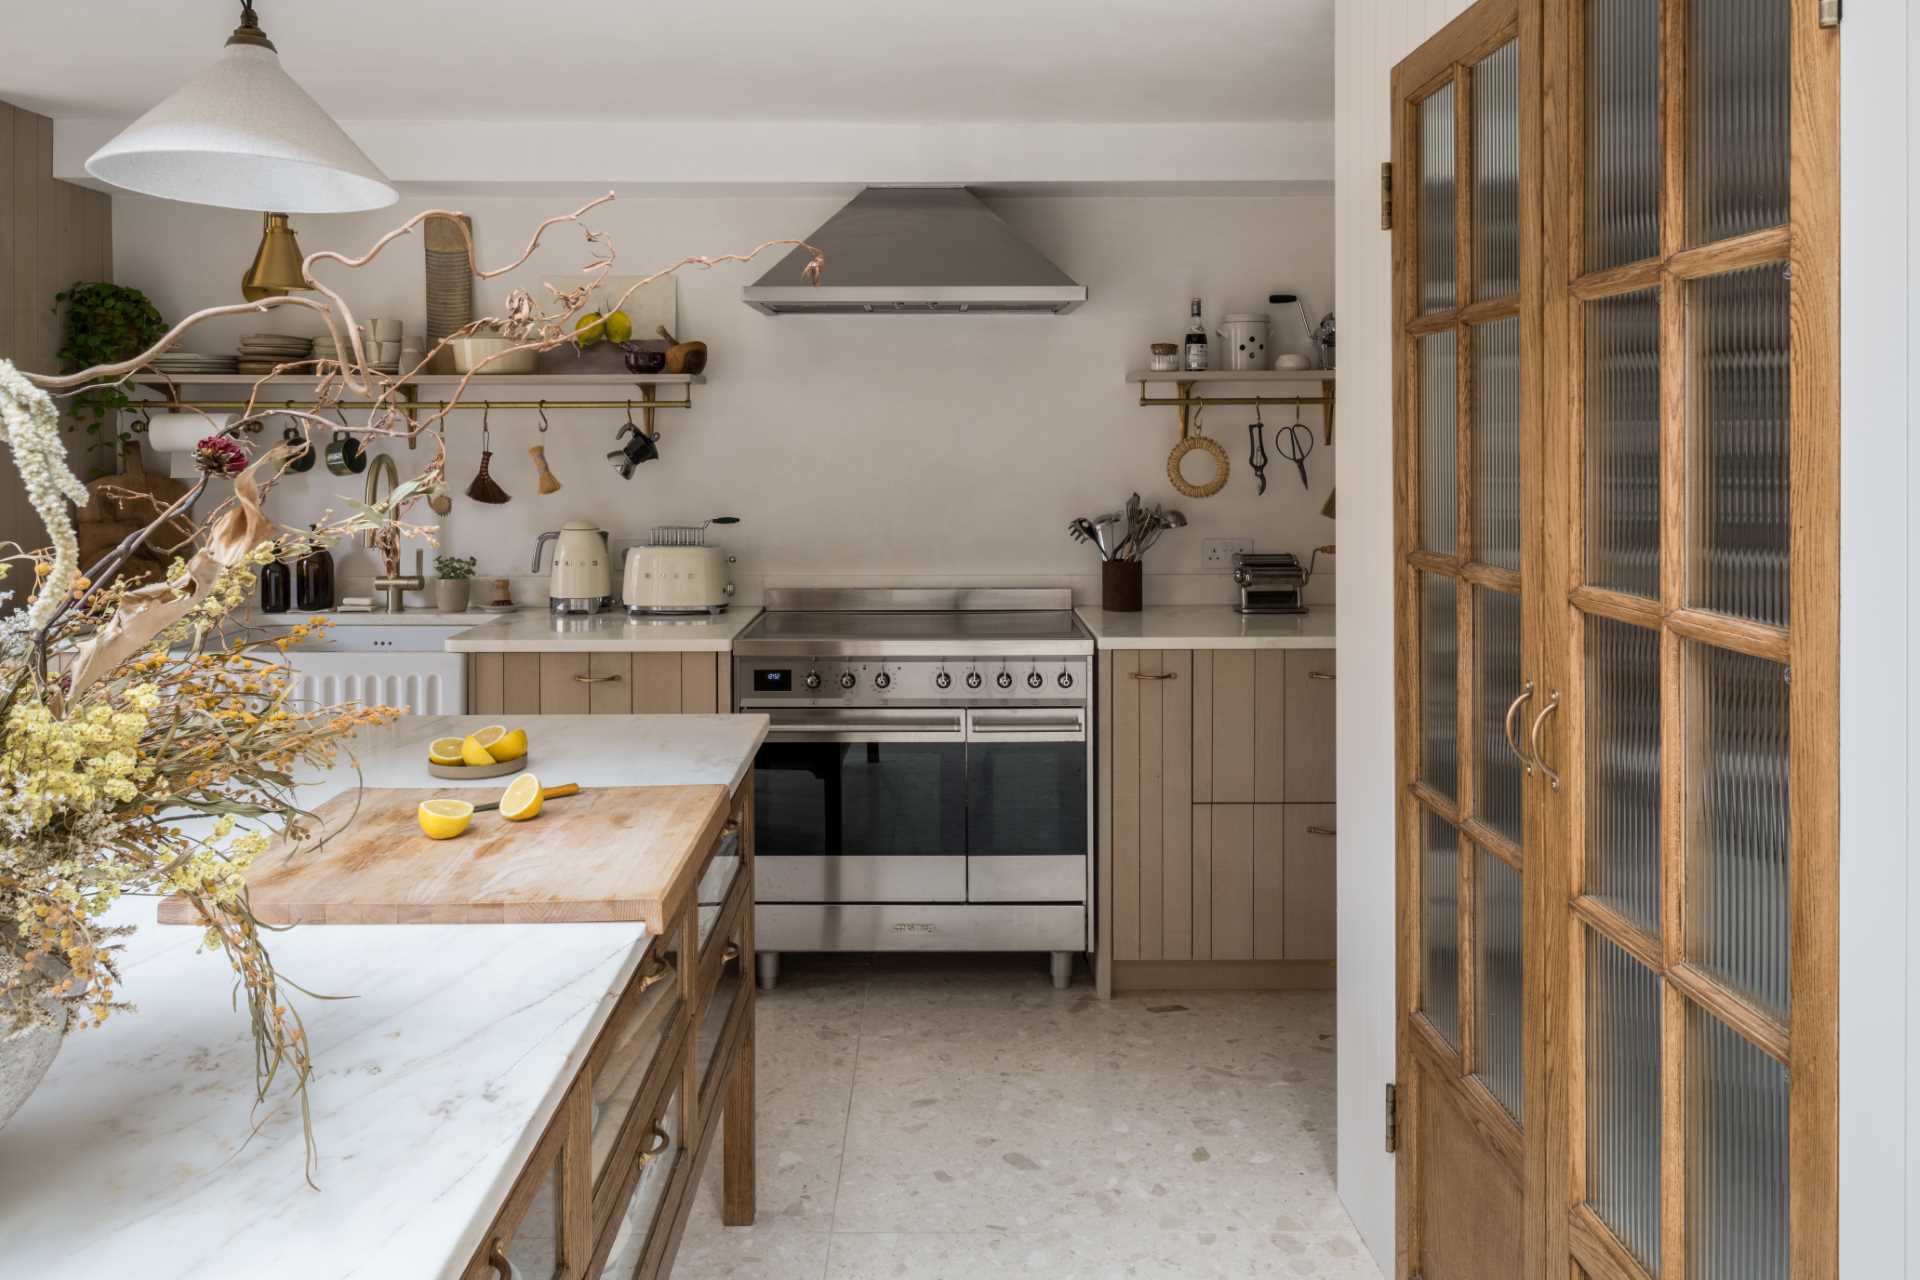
(491, 752)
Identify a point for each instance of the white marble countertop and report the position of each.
(1208, 627)
(405, 618)
(594, 751)
(137, 1156)
(539, 632)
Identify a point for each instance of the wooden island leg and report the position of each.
(738, 1171)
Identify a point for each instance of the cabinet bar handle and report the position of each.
(1154, 675)
(1319, 675)
(580, 679)
(1322, 831)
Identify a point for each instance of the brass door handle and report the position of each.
(1513, 709)
(1322, 831)
(1533, 739)
(497, 1259)
(1154, 675)
(606, 679)
(1319, 675)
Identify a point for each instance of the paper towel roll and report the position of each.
(171, 432)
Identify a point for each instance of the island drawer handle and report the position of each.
(606, 679)
(661, 1141)
(1322, 831)
(497, 1259)
(1154, 675)
(731, 953)
(657, 970)
(1319, 675)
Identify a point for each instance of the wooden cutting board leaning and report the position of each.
(606, 854)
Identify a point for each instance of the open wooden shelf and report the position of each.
(1231, 375)
(149, 378)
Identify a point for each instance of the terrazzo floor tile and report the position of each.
(989, 1125)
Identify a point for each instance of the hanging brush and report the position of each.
(549, 483)
(483, 488)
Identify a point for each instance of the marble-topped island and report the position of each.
(143, 1154)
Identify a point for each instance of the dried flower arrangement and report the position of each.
(143, 749)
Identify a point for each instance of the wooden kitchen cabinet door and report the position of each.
(1145, 774)
(1307, 904)
(1239, 716)
(1307, 775)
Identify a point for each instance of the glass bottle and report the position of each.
(1196, 353)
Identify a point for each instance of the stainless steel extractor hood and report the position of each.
(917, 251)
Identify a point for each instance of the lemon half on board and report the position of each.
(521, 800)
(444, 819)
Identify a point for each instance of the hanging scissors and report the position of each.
(1295, 443)
(1257, 450)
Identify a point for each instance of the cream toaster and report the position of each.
(677, 573)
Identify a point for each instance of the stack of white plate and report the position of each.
(264, 352)
(181, 363)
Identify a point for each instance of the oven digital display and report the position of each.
(772, 679)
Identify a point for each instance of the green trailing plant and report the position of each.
(106, 323)
(454, 568)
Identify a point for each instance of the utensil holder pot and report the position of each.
(1120, 586)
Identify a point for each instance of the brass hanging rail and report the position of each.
(1186, 401)
(277, 406)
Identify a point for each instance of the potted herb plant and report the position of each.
(451, 591)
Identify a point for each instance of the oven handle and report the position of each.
(1036, 725)
(879, 726)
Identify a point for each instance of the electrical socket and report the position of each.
(1220, 551)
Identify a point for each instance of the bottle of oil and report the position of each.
(1196, 352)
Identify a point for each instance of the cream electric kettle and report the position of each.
(582, 578)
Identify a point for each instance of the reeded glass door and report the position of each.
(1693, 295)
(1467, 424)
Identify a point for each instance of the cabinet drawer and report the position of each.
(1263, 882)
(1239, 726)
(630, 1065)
(633, 1230)
(1309, 721)
(1308, 905)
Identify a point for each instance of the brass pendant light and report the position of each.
(277, 262)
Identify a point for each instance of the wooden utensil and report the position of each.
(615, 853)
(548, 482)
(683, 357)
(546, 793)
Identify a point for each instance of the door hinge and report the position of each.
(1829, 13)
(1386, 195)
(1393, 1118)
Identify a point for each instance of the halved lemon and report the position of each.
(471, 752)
(444, 819)
(508, 746)
(445, 751)
(521, 800)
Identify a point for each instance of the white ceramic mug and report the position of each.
(387, 330)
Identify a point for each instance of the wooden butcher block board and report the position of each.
(609, 853)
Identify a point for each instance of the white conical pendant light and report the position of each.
(242, 135)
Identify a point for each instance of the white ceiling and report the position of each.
(898, 61)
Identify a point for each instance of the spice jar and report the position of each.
(1163, 357)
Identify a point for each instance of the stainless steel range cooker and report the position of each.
(926, 785)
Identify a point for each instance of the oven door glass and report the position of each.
(817, 793)
(1027, 797)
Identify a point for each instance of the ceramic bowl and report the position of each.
(469, 351)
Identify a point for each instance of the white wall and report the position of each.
(1879, 645)
(850, 446)
(1369, 37)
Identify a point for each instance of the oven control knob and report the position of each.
(1035, 680)
(846, 679)
(973, 679)
(1004, 679)
(943, 681)
(813, 680)
(1066, 679)
(882, 681)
